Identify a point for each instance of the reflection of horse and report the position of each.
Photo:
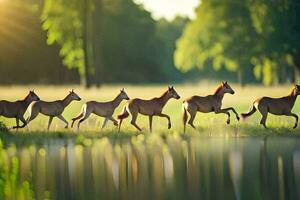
(276, 106)
(17, 109)
(210, 103)
(152, 107)
(104, 109)
(51, 109)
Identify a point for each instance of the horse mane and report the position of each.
(292, 93)
(218, 89)
(26, 97)
(164, 94)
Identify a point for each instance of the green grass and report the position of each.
(207, 124)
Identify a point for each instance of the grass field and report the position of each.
(208, 124)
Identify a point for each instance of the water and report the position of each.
(153, 167)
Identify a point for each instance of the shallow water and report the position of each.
(154, 168)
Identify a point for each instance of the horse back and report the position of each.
(11, 109)
(203, 103)
(145, 107)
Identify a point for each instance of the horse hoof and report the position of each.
(238, 118)
(295, 126)
(169, 126)
(116, 124)
(228, 122)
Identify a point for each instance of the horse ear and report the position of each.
(122, 89)
(223, 83)
(226, 83)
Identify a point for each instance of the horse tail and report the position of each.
(251, 111)
(122, 116)
(184, 117)
(82, 112)
(32, 110)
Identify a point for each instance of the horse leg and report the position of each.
(17, 124)
(64, 120)
(104, 123)
(166, 116)
(192, 117)
(233, 110)
(133, 120)
(49, 122)
(295, 116)
(76, 118)
(264, 113)
(86, 115)
(113, 120)
(33, 114)
(225, 111)
(150, 123)
(23, 121)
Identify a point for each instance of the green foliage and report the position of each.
(239, 35)
(63, 21)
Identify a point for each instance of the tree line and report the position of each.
(104, 41)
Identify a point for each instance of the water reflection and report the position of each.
(153, 167)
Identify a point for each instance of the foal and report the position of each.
(276, 106)
(103, 109)
(152, 107)
(206, 104)
(17, 109)
(51, 109)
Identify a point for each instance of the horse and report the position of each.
(152, 107)
(103, 109)
(17, 109)
(206, 104)
(51, 109)
(276, 106)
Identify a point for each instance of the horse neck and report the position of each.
(67, 100)
(292, 98)
(117, 101)
(27, 101)
(164, 98)
(219, 94)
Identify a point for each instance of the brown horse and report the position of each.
(206, 104)
(51, 109)
(152, 107)
(104, 109)
(276, 106)
(17, 109)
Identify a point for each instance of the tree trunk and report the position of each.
(97, 42)
(240, 74)
(85, 79)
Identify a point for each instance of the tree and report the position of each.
(246, 37)
(168, 32)
(70, 23)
